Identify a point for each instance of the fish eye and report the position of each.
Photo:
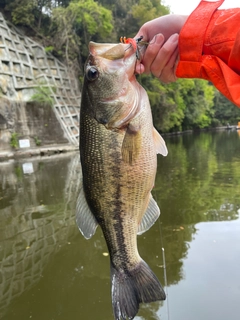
(92, 73)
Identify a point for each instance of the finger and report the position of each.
(144, 31)
(169, 71)
(141, 33)
(152, 51)
(139, 69)
(164, 55)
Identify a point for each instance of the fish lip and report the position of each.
(102, 50)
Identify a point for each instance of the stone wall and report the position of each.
(36, 122)
(25, 66)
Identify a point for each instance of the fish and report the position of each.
(118, 155)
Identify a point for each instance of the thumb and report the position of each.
(142, 33)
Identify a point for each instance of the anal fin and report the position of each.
(85, 219)
(150, 216)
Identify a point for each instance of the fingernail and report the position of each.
(174, 38)
(159, 38)
(139, 68)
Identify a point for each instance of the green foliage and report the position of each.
(19, 172)
(63, 35)
(37, 141)
(91, 20)
(74, 26)
(198, 98)
(166, 102)
(144, 11)
(14, 140)
(22, 12)
(225, 112)
(130, 15)
(147, 10)
(184, 104)
(32, 13)
(42, 95)
(49, 49)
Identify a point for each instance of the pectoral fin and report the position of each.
(85, 220)
(159, 143)
(131, 144)
(150, 216)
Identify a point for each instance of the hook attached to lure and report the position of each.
(131, 41)
(134, 43)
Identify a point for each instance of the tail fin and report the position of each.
(130, 288)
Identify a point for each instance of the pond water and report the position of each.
(49, 271)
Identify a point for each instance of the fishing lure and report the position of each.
(131, 41)
(134, 43)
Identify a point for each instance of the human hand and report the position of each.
(160, 58)
(161, 55)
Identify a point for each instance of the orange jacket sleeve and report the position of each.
(209, 46)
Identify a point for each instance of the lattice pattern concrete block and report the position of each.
(24, 65)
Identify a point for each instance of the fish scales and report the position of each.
(104, 169)
(118, 156)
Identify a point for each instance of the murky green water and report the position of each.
(49, 271)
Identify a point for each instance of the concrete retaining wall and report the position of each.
(25, 66)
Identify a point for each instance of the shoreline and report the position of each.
(223, 128)
(49, 150)
(57, 149)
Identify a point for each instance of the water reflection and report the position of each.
(49, 271)
(200, 184)
(36, 219)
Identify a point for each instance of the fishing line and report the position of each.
(140, 44)
(164, 269)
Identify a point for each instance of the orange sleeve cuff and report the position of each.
(209, 47)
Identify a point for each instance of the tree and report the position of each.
(224, 110)
(166, 102)
(199, 104)
(22, 11)
(64, 39)
(74, 26)
(147, 10)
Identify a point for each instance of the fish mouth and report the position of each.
(111, 51)
(124, 54)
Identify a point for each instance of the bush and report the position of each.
(14, 140)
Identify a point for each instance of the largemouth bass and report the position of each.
(118, 151)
